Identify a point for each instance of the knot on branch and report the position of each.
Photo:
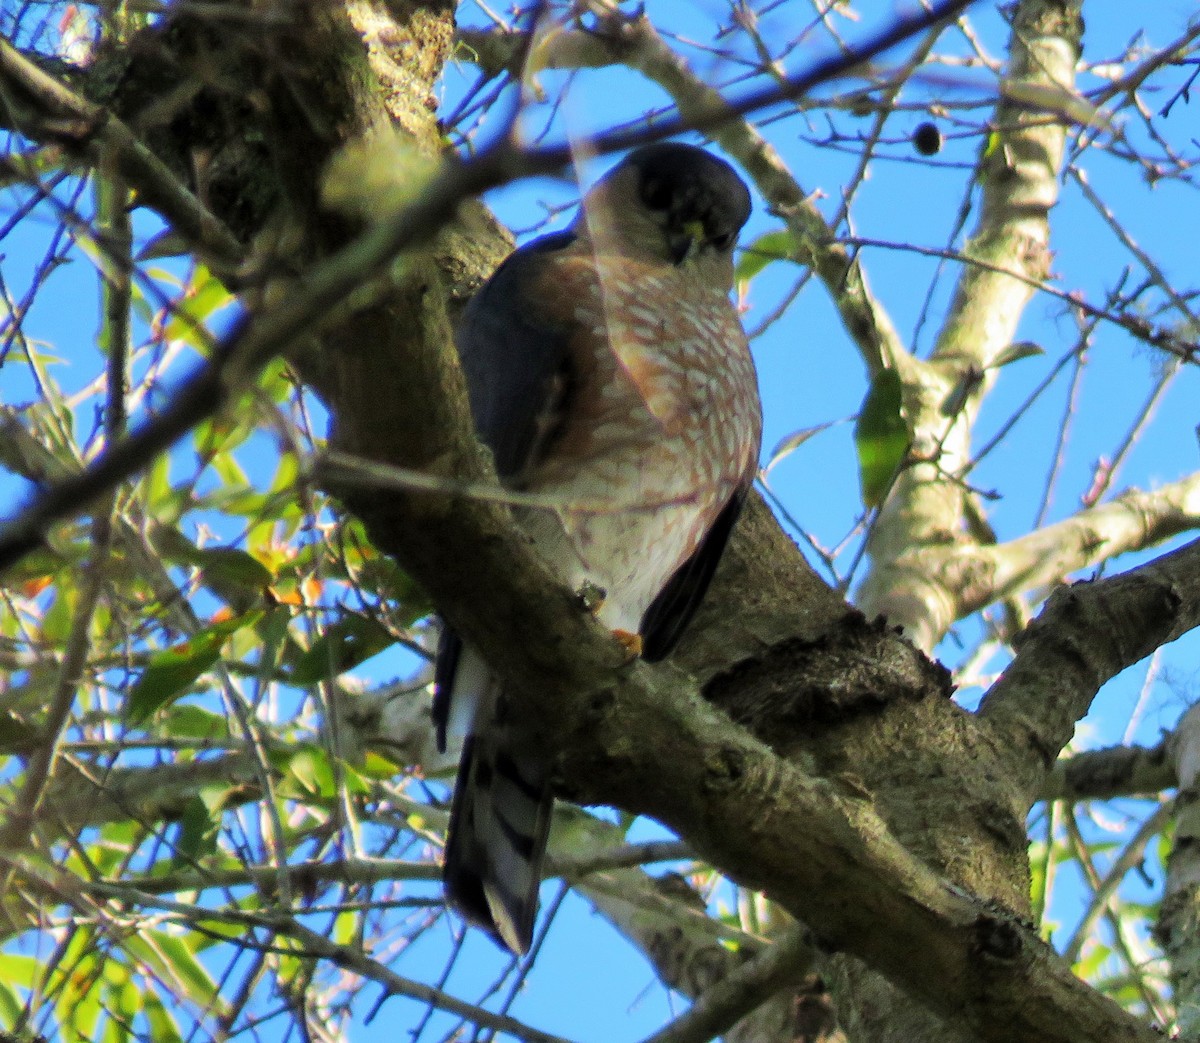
(801, 687)
(997, 939)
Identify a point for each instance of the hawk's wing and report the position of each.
(516, 368)
(515, 362)
(670, 612)
(518, 378)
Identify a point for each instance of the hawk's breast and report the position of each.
(661, 427)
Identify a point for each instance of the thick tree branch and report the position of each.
(780, 965)
(1087, 633)
(667, 920)
(977, 575)
(1177, 927)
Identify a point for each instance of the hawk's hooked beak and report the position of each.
(685, 242)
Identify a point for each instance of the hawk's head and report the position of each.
(670, 202)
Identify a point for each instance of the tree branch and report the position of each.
(1176, 930)
(45, 110)
(1119, 771)
(923, 516)
(1087, 633)
(778, 966)
(980, 575)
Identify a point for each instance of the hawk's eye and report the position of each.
(656, 194)
(722, 242)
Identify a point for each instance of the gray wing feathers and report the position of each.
(515, 363)
(667, 617)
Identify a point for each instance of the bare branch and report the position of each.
(1018, 174)
(1086, 634)
(780, 965)
(318, 946)
(1119, 771)
(43, 109)
(1135, 520)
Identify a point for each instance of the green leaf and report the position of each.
(122, 996)
(345, 928)
(376, 766)
(779, 245)
(60, 616)
(10, 1004)
(230, 565)
(203, 298)
(78, 1000)
(165, 502)
(881, 437)
(170, 673)
(36, 565)
(197, 834)
(20, 970)
(174, 963)
(354, 782)
(163, 1027)
(166, 244)
(306, 766)
(117, 839)
(789, 444)
(225, 464)
(351, 640)
(187, 721)
(173, 670)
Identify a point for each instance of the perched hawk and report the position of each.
(608, 372)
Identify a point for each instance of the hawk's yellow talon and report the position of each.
(632, 642)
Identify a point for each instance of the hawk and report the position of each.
(608, 372)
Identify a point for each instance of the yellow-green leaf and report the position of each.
(779, 245)
(171, 671)
(205, 296)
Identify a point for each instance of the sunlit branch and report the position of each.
(778, 966)
(1118, 771)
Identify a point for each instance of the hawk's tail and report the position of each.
(499, 824)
